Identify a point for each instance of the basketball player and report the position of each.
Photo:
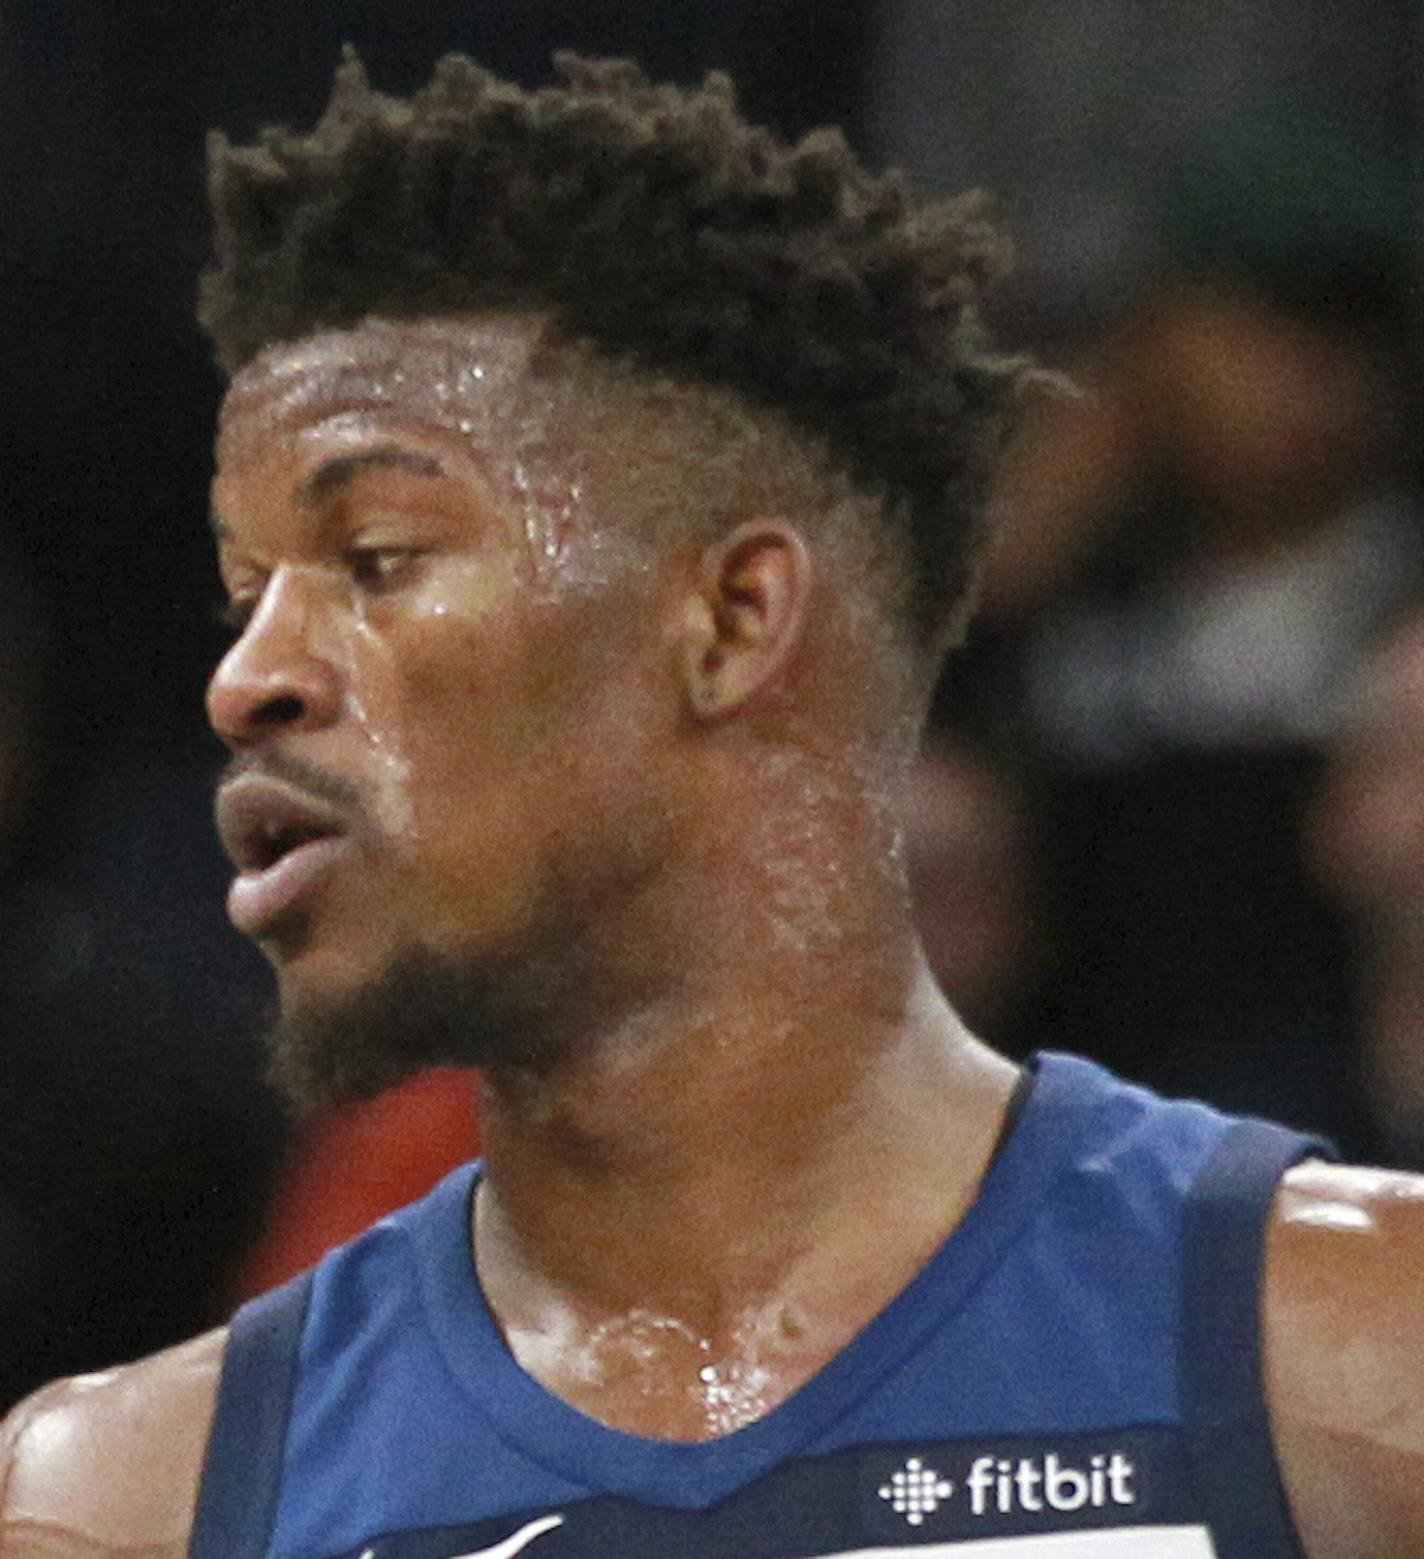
(597, 490)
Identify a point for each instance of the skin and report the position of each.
(1344, 1335)
(646, 761)
(635, 1268)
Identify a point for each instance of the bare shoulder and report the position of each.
(1344, 1343)
(108, 1462)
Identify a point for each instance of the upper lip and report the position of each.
(261, 819)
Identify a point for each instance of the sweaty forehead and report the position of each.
(460, 372)
(552, 419)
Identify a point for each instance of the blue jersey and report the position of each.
(1074, 1375)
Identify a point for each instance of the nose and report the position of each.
(274, 680)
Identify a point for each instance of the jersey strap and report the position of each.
(1222, 1382)
(242, 1471)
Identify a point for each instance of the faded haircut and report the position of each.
(656, 222)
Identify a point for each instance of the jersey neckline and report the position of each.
(691, 1475)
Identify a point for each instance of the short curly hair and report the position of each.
(658, 223)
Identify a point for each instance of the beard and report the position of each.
(426, 1009)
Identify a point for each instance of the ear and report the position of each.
(745, 617)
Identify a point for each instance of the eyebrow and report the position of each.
(333, 474)
(341, 469)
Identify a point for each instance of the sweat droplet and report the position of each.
(466, 425)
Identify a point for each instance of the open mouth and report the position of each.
(282, 843)
(280, 840)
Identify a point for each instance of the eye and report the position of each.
(234, 615)
(381, 568)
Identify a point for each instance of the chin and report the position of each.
(339, 1035)
(322, 964)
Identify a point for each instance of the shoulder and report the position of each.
(111, 1461)
(1344, 1344)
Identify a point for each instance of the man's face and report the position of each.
(446, 704)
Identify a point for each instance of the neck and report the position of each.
(770, 1140)
(720, 1139)
(679, 1238)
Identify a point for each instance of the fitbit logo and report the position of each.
(1008, 1485)
(1032, 1483)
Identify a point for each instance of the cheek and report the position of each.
(524, 732)
(481, 743)
(433, 679)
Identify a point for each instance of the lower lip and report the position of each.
(257, 898)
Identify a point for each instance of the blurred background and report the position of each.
(1173, 811)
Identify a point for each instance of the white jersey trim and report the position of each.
(1109, 1543)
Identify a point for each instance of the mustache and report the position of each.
(344, 795)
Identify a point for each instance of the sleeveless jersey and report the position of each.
(1074, 1375)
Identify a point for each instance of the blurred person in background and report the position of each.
(1368, 837)
(351, 1163)
(969, 855)
(1191, 555)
